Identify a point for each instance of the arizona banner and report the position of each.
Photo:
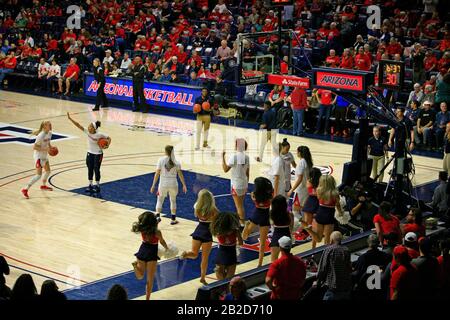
(156, 93)
(342, 80)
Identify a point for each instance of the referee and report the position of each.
(99, 75)
(138, 86)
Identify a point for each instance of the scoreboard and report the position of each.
(276, 3)
(391, 74)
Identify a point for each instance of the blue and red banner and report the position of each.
(168, 95)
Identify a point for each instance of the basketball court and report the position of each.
(84, 242)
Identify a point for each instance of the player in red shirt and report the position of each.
(332, 60)
(286, 275)
(386, 223)
(347, 60)
(362, 62)
(69, 77)
(404, 279)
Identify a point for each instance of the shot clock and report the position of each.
(391, 74)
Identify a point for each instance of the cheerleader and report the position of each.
(301, 176)
(239, 164)
(289, 161)
(262, 197)
(41, 147)
(94, 155)
(225, 227)
(282, 224)
(147, 256)
(205, 210)
(323, 223)
(167, 170)
(311, 204)
(277, 173)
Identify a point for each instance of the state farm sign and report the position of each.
(290, 81)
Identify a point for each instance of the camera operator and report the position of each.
(364, 211)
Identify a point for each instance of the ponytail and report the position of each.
(306, 154)
(41, 128)
(169, 153)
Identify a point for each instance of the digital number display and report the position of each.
(274, 3)
(391, 74)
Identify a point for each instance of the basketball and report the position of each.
(103, 143)
(206, 106)
(197, 108)
(53, 151)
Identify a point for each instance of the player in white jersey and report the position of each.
(239, 164)
(302, 170)
(289, 161)
(167, 170)
(41, 147)
(277, 174)
(94, 155)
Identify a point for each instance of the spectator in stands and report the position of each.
(238, 289)
(394, 47)
(219, 91)
(442, 118)
(412, 113)
(117, 293)
(24, 288)
(425, 124)
(54, 73)
(276, 97)
(126, 62)
(9, 64)
(5, 292)
(334, 270)
(326, 101)
(69, 77)
(50, 292)
(416, 94)
(359, 42)
(108, 58)
(429, 271)
(194, 80)
(440, 199)
(446, 161)
(372, 257)
(332, 60)
(223, 52)
(43, 70)
(404, 279)
(418, 55)
(166, 76)
(347, 60)
(174, 77)
(386, 223)
(443, 89)
(299, 103)
(211, 41)
(362, 62)
(430, 63)
(175, 66)
(378, 152)
(414, 223)
(286, 275)
(428, 93)
(411, 244)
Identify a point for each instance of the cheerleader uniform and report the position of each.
(260, 215)
(148, 251)
(325, 214)
(226, 255)
(311, 202)
(280, 231)
(202, 232)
